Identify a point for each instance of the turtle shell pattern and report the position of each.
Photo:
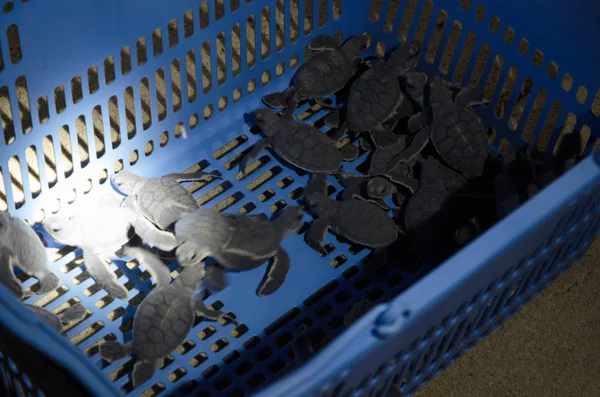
(325, 73)
(256, 238)
(382, 157)
(364, 223)
(49, 318)
(305, 147)
(162, 200)
(373, 98)
(460, 139)
(423, 205)
(162, 323)
(205, 225)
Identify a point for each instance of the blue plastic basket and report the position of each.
(78, 59)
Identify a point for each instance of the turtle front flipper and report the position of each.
(276, 273)
(383, 136)
(278, 100)
(165, 241)
(333, 119)
(194, 176)
(143, 371)
(7, 275)
(73, 314)
(209, 314)
(254, 152)
(323, 42)
(112, 351)
(316, 235)
(103, 276)
(158, 270)
(348, 180)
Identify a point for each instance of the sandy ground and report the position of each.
(549, 348)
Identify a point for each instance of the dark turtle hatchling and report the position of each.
(238, 243)
(58, 321)
(325, 73)
(299, 144)
(356, 220)
(455, 131)
(377, 93)
(161, 323)
(381, 181)
(163, 201)
(21, 246)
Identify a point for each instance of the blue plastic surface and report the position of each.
(430, 318)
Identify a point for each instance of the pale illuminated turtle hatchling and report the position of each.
(299, 144)
(106, 229)
(163, 201)
(21, 246)
(452, 127)
(161, 323)
(59, 321)
(356, 220)
(238, 243)
(327, 72)
(377, 94)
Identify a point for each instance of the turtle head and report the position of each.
(265, 118)
(405, 57)
(289, 221)
(125, 181)
(355, 46)
(191, 277)
(440, 93)
(318, 203)
(189, 254)
(60, 229)
(379, 188)
(415, 85)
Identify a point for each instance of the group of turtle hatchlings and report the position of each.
(423, 161)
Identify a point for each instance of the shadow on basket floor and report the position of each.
(550, 348)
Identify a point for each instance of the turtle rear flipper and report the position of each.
(143, 371)
(470, 96)
(323, 42)
(103, 276)
(113, 351)
(157, 269)
(278, 100)
(73, 314)
(48, 281)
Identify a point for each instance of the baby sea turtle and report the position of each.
(455, 131)
(21, 246)
(58, 321)
(299, 144)
(105, 230)
(161, 323)
(325, 73)
(163, 201)
(381, 181)
(356, 220)
(238, 243)
(377, 93)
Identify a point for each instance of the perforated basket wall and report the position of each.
(87, 89)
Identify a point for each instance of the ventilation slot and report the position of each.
(206, 69)
(82, 141)
(24, 108)
(14, 43)
(33, 171)
(221, 58)
(265, 36)
(7, 116)
(436, 36)
(450, 47)
(14, 167)
(145, 98)
(49, 160)
(98, 131)
(192, 83)
(67, 154)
